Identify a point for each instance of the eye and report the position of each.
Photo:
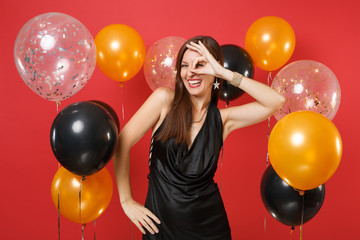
(199, 65)
(183, 65)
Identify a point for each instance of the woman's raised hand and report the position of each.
(140, 216)
(210, 65)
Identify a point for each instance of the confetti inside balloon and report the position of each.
(160, 62)
(55, 55)
(307, 85)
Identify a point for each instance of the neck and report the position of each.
(200, 103)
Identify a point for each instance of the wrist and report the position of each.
(236, 79)
(126, 199)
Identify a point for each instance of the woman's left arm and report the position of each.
(268, 101)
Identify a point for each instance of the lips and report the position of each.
(194, 83)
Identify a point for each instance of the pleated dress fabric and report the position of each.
(182, 192)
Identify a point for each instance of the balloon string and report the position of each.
(131, 231)
(265, 225)
(221, 167)
(58, 196)
(57, 106)
(268, 125)
(58, 208)
(95, 229)
(57, 111)
(291, 232)
(268, 136)
(82, 179)
(122, 103)
(82, 231)
(302, 216)
(84, 225)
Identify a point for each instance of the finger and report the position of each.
(195, 44)
(204, 49)
(197, 61)
(151, 224)
(146, 225)
(138, 225)
(194, 48)
(197, 47)
(151, 215)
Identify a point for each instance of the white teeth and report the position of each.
(194, 82)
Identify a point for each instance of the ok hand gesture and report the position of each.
(209, 64)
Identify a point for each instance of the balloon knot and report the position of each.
(121, 84)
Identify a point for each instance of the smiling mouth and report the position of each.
(194, 83)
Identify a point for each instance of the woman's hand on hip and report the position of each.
(140, 216)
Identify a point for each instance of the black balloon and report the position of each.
(285, 203)
(83, 138)
(238, 60)
(110, 110)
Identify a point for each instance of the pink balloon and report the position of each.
(55, 55)
(307, 85)
(160, 62)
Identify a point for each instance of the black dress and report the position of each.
(182, 192)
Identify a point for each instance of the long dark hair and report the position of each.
(178, 121)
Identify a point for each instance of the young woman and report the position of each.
(183, 201)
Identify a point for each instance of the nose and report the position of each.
(189, 73)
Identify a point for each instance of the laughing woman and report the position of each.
(188, 130)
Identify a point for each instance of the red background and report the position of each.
(326, 31)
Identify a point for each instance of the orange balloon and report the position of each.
(96, 193)
(305, 149)
(270, 41)
(120, 52)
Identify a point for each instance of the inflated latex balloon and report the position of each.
(270, 41)
(83, 137)
(238, 60)
(55, 55)
(307, 85)
(160, 62)
(305, 149)
(82, 200)
(286, 204)
(120, 52)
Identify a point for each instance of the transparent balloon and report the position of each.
(160, 62)
(307, 85)
(55, 55)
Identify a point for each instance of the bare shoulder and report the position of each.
(150, 115)
(164, 96)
